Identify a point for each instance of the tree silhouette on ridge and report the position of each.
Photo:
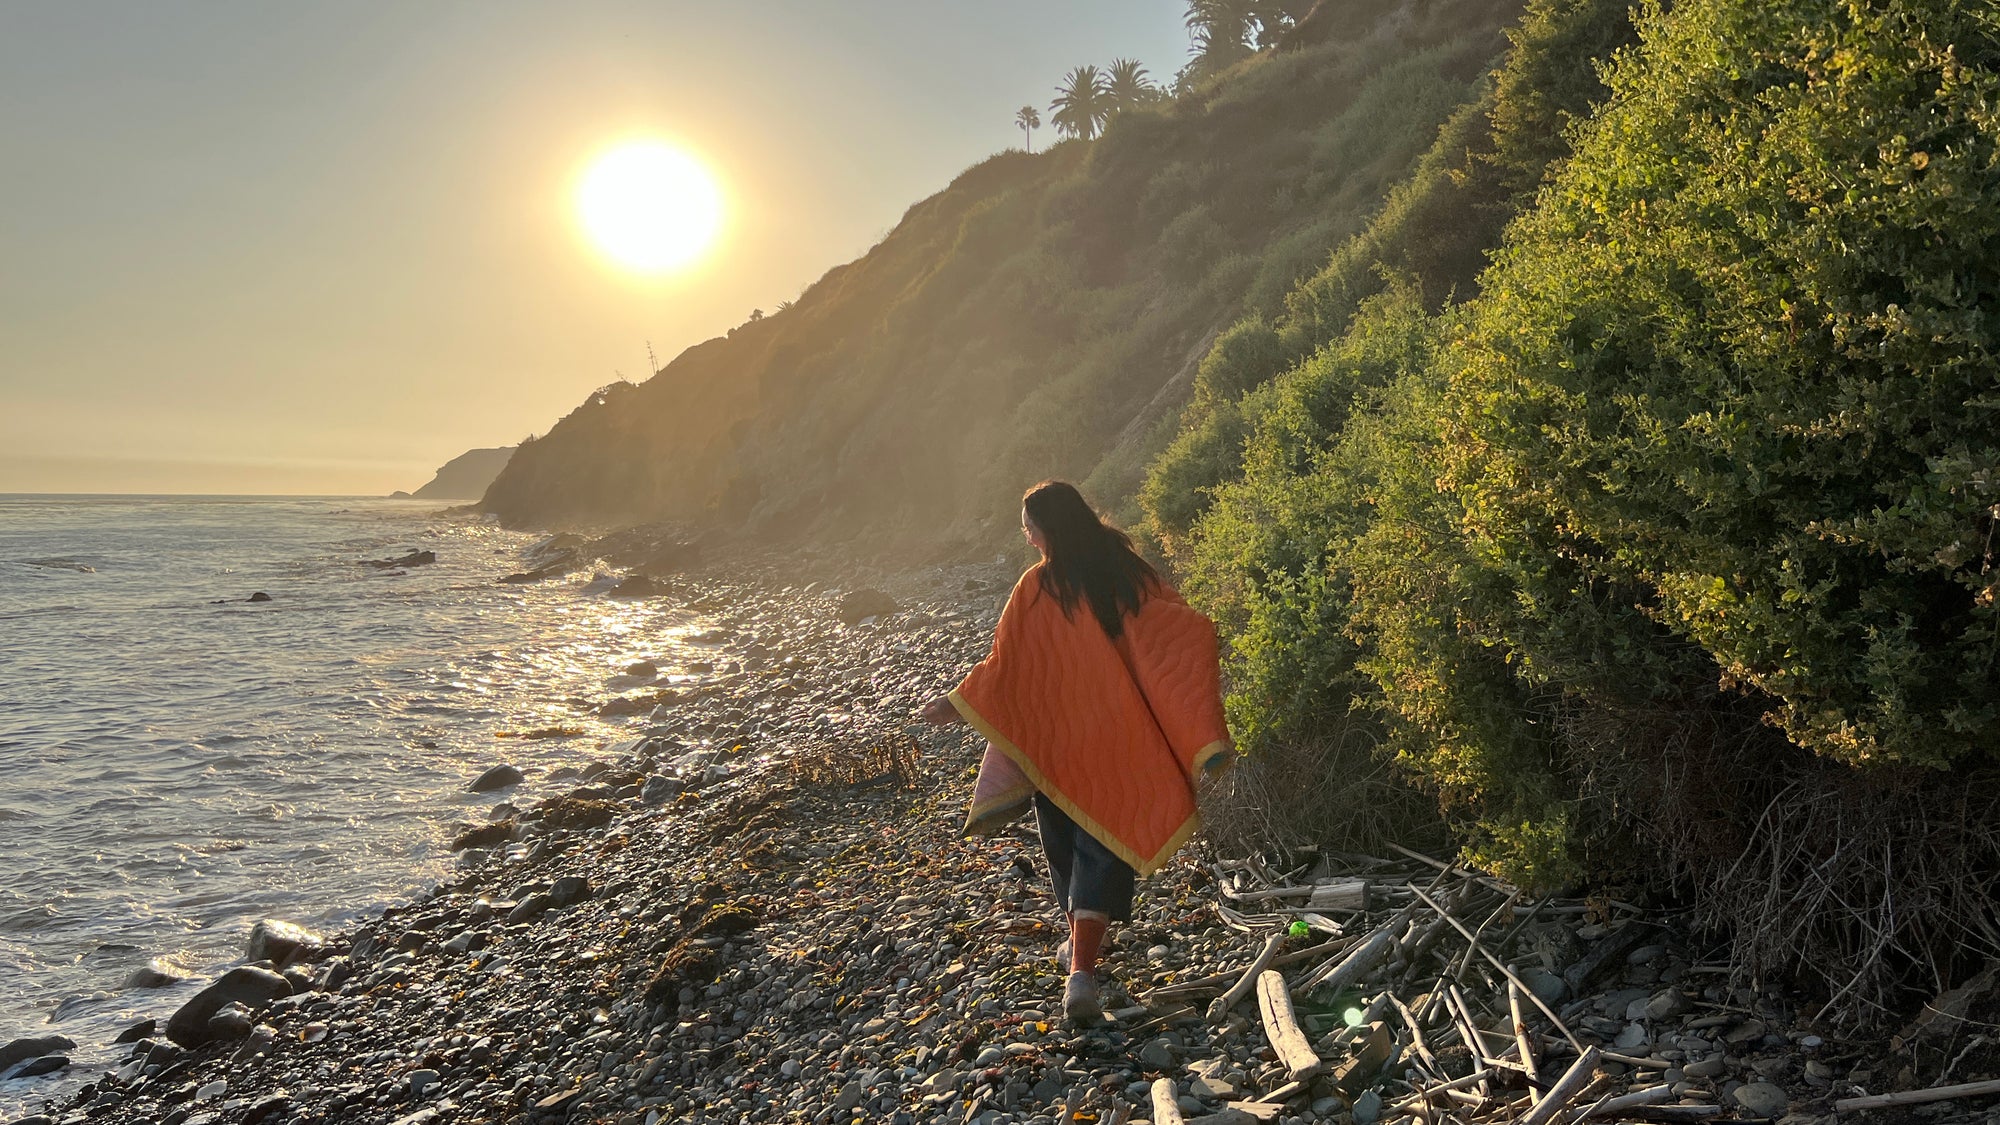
(1082, 104)
(1029, 119)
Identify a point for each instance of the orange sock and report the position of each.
(1086, 939)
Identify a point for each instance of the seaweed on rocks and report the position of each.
(697, 958)
(484, 836)
(746, 812)
(729, 919)
(570, 813)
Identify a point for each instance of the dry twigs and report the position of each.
(1478, 1047)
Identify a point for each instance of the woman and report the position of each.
(1101, 704)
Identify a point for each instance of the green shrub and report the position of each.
(1435, 227)
(1271, 556)
(1730, 402)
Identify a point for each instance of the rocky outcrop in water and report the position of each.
(20, 1051)
(281, 943)
(496, 777)
(414, 558)
(248, 989)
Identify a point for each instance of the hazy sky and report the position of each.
(324, 247)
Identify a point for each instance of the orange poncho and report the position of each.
(1114, 732)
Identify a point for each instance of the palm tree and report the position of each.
(1222, 31)
(1029, 120)
(1081, 107)
(1127, 86)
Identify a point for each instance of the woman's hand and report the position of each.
(940, 713)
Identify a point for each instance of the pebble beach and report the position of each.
(759, 908)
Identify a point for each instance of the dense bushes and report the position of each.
(1737, 368)
(1684, 529)
(1433, 230)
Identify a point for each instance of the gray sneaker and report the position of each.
(1081, 1005)
(1062, 955)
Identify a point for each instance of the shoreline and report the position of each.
(692, 749)
(795, 932)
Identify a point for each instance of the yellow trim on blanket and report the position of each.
(980, 815)
(1138, 863)
(1209, 752)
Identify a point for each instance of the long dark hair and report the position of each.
(1088, 559)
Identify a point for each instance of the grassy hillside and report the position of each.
(1043, 315)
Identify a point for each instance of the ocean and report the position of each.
(178, 762)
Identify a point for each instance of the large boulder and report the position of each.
(251, 987)
(414, 558)
(21, 1050)
(669, 559)
(562, 546)
(484, 836)
(857, 605)
(498, 777)
(281, 943)
(638, 586)
(153, 974)
(38, 1066)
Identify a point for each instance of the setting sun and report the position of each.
(650, 206)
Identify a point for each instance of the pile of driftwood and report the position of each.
(1430, 1021)
(1412, 992)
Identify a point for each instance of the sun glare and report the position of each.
(650, 206)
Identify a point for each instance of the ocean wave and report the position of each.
(41, 611)
(125, 803)
(59, 563)
(29, 918)
(167, 735)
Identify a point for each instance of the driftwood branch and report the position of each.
(1417, 942)
(1505, 971)
(1468, 1034)
(1340, 894)
(1281, 1027)
(1918, 1097)
(1564, 1091)
(1166, 1103)
(1358, 961)
(1417, 1042)
(1423, 1096)
(1521, 1032)
(1470, 876)
(1473, 946)
(1219, 1010)
(1219, 981)
(1651, 1095)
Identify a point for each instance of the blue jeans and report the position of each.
(1086, 875)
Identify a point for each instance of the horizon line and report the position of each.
(228, 496)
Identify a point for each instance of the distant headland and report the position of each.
(464, 477)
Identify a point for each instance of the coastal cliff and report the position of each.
(466, 476)
(1043, 315)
